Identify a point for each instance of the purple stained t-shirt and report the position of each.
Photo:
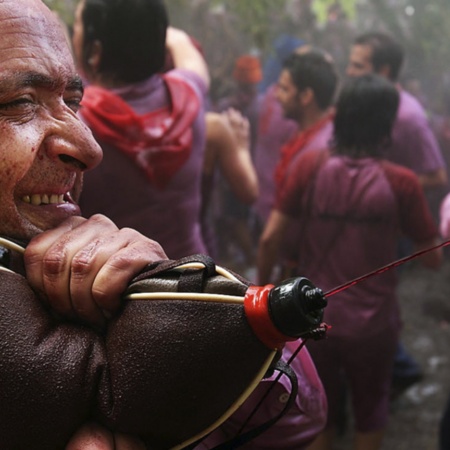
(413, 142)
(352, 214)
(301, 423)
(121, 191)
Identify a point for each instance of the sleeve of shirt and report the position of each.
(289, 195)
(416, 220)
(193, 79)
(417, 143)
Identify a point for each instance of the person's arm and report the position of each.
(269, 245)
(82, 267)
(416, 221)
(433, 179)
(228, 141)
(185, 55)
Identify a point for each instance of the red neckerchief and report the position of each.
(295, 146)
(160, 141)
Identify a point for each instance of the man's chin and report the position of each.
(37, 219)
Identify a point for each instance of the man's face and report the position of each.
(360, 61)
(44, 147)
(288, 96)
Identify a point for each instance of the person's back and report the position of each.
(167, 207)
(352, 214)
(150, 125)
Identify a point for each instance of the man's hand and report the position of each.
(94, 437)
(82, 267)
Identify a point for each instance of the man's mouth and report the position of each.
(45, 199)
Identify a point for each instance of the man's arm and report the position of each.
(185, 55)
(433, 179)
(228, 137)
(269, 245)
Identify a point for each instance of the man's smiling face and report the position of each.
(44, 147)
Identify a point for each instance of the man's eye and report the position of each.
(18, 103)
(73, 103)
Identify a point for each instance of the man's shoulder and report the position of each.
(410, 110)
(401, 178)
(192, 79)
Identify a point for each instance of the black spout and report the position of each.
(296, 306)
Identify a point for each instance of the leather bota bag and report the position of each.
(190, 344)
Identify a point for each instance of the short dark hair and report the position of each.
(386, 51)
(315, 70)
(365, 112)
(132, 34)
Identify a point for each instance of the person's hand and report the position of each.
(81, 268)
(94, 437)
(240, 127)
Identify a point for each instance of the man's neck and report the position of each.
(311, 117)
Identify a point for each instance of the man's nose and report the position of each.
(72, 142)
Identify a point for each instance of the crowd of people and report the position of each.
(115, 156)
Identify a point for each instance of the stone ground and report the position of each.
(425, 300)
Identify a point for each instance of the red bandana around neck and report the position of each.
(159, 142)
(294, 146)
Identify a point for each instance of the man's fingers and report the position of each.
(83, 266)
(92, 437)
(65, 257)
(45, 261)
(122, 266)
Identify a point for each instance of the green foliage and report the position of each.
(64, 8)
(257, 17)
(227, 28)
(321, 7)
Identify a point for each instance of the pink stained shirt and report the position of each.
(351, 214)
(300, 424)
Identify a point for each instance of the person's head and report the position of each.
(375, 52)
(44, 147)
(308, 79)
(365, 112)
(247, 72)
(121, 41)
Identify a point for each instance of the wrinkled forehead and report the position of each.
(28, 31)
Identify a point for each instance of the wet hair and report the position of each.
(386, 51)
(315, 70)
(365, 112)
(132, 34)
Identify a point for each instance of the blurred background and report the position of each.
(227, 29)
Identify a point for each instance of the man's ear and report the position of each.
(95, 57)
(385, 71)
(306, 96)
